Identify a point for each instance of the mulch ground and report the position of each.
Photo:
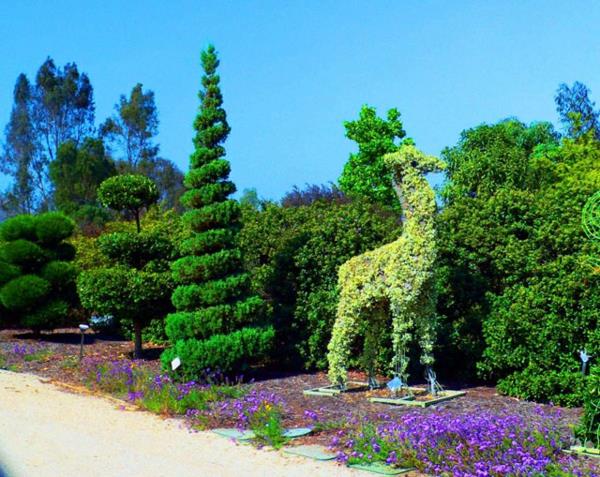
(59, 364)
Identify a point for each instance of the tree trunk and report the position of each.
(137, 330)
(137, 221)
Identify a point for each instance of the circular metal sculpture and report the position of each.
(590, 217)
(590, 221)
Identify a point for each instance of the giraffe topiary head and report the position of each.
(408, 158)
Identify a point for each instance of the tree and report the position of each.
(218, 323)
(136, 285)
(131, 193)
(514, 298)
(576, 110)
(131, 133)
(77, 172)
(167, 177)
(37, 278)
(492, 156)
(134, 126)
(20, 150)
(59, 107)
(365, 174)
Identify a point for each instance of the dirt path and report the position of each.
(45, 431)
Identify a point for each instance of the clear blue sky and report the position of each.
(293, 71)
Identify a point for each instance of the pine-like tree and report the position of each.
(218, 323)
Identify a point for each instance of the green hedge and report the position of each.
(226, 352)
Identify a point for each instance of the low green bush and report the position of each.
(562, 388)
(227, 352)
(589, 430)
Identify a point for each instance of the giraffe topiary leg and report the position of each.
(374, 335)
(425, 328)
(345, 328)
(402, 322)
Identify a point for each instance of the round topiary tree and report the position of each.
(128, 192)
(136, 287)
(37, 277)
(218, 322)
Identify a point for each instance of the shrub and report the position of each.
(24, 292)
(38, 282)
(589, 430)
(52, 228)
(293, 255)
(18, 227)
(227, 352)
(562, 388)
(24, 254)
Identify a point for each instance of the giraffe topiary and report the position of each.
(394, 280)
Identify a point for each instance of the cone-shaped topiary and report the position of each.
(37, 278)
(218, 324)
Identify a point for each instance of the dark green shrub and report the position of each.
(60, 275)
(38, 282)
(227, 352)
(25, 254)
(8, 271)
(52, 228)
(18, 227)
(293, 254)
(24, 292)
(47, 316)
(133, 283)
(562, 388)
(589, 430)
(517, 294)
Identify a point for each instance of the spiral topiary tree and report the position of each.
(37, 278)
(394, 280)
(218, 323)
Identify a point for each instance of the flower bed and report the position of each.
(482, 444)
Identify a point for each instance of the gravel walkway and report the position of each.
(45, 431)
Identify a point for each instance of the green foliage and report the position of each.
(24, 293)
(77, 172)
(562, 388)
(212, 297)
(365, 174)
(226, 352)
(518, 297)
(589, 430)
(60, 275)
(52, 228)
(37, 281)
(393, 281)
(24, 254)
(8, 271)
(135, 250)
(293, 254)
(46, 316)
(18, 227)
(128, 192)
